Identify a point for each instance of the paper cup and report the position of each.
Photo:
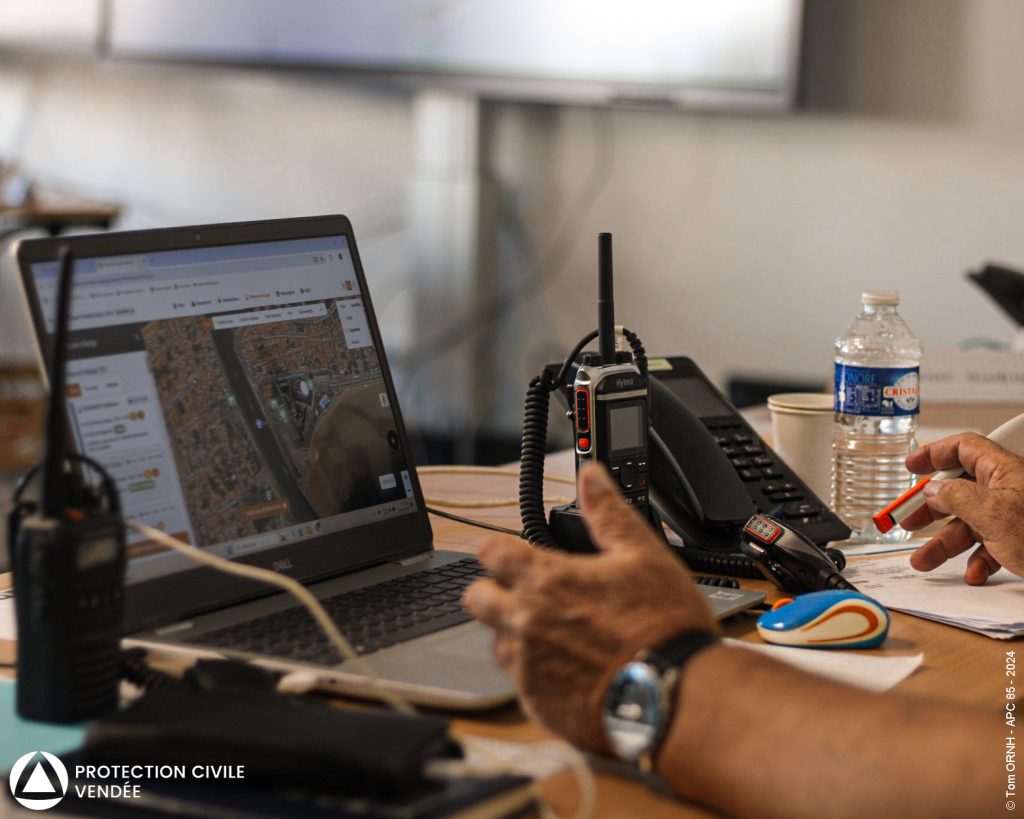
(803, 424)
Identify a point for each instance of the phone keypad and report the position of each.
(799, 510)
(769, 487)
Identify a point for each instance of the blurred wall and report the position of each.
(743, 241)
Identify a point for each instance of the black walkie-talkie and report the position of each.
(609, 399)
(608, 406)
(68, 559)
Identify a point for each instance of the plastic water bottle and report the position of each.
(877, 398)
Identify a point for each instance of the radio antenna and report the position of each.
(53, 465)
(605, 300)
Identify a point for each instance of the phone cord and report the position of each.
(639, 353)
(716, 582)
(531, 469)
(735, 565)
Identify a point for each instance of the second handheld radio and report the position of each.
(68, 560)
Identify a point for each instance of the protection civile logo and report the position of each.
(38, 780)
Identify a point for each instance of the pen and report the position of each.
(1009, 436)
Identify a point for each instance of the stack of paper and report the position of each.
(995, 609)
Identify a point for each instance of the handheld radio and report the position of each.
(608, 407)
(609, 399)
(68, 559)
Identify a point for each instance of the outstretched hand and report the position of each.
(564, 623)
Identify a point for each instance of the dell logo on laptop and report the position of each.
(283, 565)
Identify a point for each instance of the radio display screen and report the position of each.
(625, 427)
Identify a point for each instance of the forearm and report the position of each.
(753, 737)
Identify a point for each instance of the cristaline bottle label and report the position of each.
(883, 391)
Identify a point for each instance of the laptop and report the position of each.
(232, 380)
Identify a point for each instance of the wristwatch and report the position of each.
(640, 698)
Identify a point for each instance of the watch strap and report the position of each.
(676, 652)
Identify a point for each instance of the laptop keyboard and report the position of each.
(370, 618)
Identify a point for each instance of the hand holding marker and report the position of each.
(1010, 436)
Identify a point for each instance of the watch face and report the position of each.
(635, 710)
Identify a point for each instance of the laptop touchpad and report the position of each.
(474, 643)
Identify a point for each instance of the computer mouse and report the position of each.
(826, 619)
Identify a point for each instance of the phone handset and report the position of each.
(695, 487)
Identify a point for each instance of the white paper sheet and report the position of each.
(891, 581)
(879, 548)
(7, 626)
(868, 671)
(995, 609)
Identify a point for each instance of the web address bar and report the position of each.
(285, 261)
(48, 287)
(124, 277)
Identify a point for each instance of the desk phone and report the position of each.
(768, 483)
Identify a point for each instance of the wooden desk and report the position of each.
(959, 666)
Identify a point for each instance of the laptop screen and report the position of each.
(235, 393)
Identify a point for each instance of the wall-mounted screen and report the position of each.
(726, 54)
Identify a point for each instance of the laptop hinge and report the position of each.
(412, 561)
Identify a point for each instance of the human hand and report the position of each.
(564, 623)
(988, 510)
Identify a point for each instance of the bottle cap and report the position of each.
(888, 297)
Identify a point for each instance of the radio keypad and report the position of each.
(632, 475)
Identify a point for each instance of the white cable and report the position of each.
(301, 681)
(293, 587)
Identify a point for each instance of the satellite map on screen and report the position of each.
(268, 411)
